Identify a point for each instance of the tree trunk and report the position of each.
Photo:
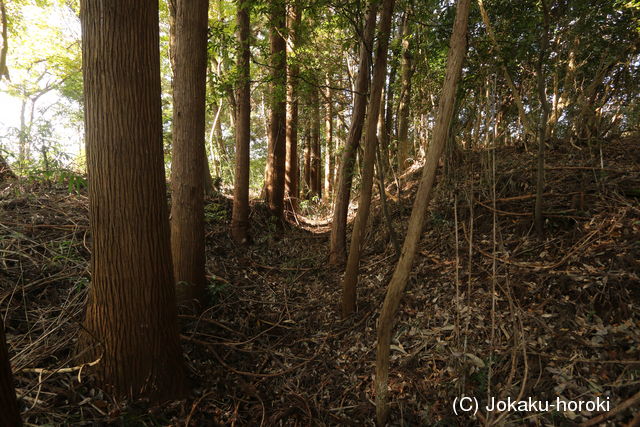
(350, 280)
(131, 321)
(457, 49)
(405, 97)
(337, 249)
(4, 71)
(277, 152)
(292, 170)
(187, 165)
(542, 126)
(10, 414)
(315, 172)
(307, 162)
(522, 114)
(240, 214)
(328, 152)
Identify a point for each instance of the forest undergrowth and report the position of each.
(491, 309)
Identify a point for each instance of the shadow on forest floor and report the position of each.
(271, 348)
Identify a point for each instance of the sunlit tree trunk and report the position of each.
(276, 159)
(457, 49)
(240, 214)
(187, 163)
(350, 280)
(131, 321)
(337, 246)
(9, 412)
(328, 152)
(292, 170)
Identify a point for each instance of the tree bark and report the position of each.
(350, 280)
(457, 49)
(405, 97)
(240, 214)
(187, 165)
(328, 152)
(292, 170)
(276, 159)
(9, 414)
(337, 248)
(131, 321)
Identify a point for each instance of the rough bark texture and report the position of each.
(9, 412)
(337, 248)
(276, 157)
(131, 322)
(240, 215)
(457, 49)
(187, 163)
(292, 170)
(350, 280)
(406, 70)
(4, 71)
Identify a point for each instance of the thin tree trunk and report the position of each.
(328, 152)
(4, 71)
(542, 126)
(316, 163)
(187, 165)
(9, 412)
(276, 159)
(405, 97)
(131, 321)
(350, 280)
(337, 248)
(457, 49)
(307, 162)
(524, 118)
(292, 170)
(240, 213)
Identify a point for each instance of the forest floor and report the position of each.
(490, 310)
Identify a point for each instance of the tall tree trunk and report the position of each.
(307, 162)
(405, 96)
(328, 152)
(542, 125)
(131, 321)
(457, 49)
(292, 170)
(337, 248)
(277, 152)
(9, 413)
(240, 214)
(350, 280)
(187, 165)
(315, 173)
